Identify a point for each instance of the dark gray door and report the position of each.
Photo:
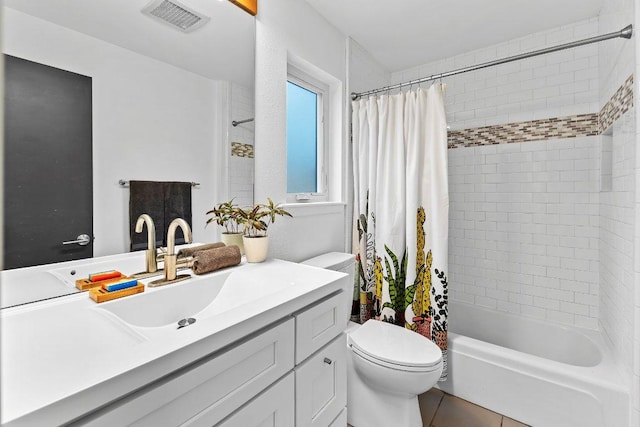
(48, 196)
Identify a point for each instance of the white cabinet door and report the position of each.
(341, 419)
(273, 408)
(321, 385)
(210, 390)
(318, 325)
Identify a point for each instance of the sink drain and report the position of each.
(186, 322)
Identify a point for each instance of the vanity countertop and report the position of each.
(28, 284)
(62, 358)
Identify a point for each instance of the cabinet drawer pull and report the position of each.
(328, 361)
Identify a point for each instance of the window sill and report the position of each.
(314, 208)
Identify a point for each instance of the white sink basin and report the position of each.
(158, 310)
(166, 306)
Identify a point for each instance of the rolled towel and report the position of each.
(185, 252)
(215, 259)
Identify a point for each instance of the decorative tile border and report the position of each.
(556, 127)
(241, 150)
(620, 103)
(534, 130)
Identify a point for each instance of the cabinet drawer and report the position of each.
(273, 408)
(211, 390)
(321, 385)
(318, 325)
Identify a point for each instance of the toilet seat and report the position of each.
(395, 347)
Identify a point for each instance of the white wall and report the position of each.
(151, 121)
(635, 379)
(365, 72)
(290, 30)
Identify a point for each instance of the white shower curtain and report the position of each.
(401, 210)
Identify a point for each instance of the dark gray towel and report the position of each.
(177, 204)
(164, 202)
(146, 197)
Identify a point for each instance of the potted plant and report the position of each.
(256, 221)
(227, 215)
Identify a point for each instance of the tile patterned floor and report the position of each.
(444, 410)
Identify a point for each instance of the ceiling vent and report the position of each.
(175, 14)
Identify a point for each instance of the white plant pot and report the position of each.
(256, 248)
(233, 239)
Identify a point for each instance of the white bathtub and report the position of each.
(538, 373)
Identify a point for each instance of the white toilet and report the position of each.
(387, 366)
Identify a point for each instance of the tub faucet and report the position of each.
(151, 254)
(170, 259)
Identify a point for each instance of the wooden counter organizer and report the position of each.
(100, 295)
(85, 284)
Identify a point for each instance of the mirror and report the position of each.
(163, 100)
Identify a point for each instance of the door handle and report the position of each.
(82, 240)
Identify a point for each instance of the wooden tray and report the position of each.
(100, 295)
(84, 284)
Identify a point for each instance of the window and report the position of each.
(306, 104)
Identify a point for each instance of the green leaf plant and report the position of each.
(226, 215)
(400, 297)
(256, 220)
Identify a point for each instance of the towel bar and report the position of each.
(124, 183)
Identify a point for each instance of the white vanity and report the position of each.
(267, 349)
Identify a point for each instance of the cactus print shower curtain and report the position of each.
(401, 211)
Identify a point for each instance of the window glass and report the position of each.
(302, 139)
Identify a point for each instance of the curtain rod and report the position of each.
(239, 122)
(626, 33)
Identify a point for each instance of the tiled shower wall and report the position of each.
(524, 228)
(561, 84)
(524, 216)
(241, 138)
(619, 212)
(617, 219)
(589, 278)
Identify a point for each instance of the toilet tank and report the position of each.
(336, 261)
(344, 263)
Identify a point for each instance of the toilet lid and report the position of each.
(333, 261)
(394, 345)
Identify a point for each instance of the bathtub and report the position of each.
(538, 373)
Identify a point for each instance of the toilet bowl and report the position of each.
(387, 366)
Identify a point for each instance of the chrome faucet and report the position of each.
(171, 258)
(151, 254)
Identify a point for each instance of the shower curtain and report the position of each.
(401, 211)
